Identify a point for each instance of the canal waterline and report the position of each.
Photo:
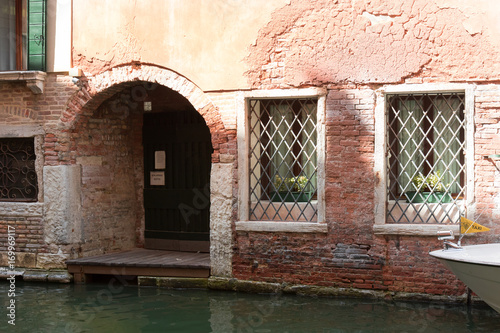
(116, 308)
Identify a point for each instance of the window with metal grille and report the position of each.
(283, 159)
(426, 167)
(18, 178)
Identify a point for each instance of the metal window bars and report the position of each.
(18, 178)
(283, 162)
(426, 167)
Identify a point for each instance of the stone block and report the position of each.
(6, 272)
(26, 260)
(35, 275)
(181, 283)
(3, 259)
(62, 204)
(59, 276)
(146, 281)
(51, 261)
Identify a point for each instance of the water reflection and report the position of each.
(115, 308)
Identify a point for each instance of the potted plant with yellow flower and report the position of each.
(290, 189)
(428, 189)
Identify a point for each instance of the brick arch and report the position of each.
(95, 90)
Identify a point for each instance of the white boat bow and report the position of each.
(478, 266)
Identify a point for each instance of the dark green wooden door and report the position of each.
(177, 163)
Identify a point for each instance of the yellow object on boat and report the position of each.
(468, 226)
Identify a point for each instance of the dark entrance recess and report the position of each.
(177, 163)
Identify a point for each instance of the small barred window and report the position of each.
(18, 178)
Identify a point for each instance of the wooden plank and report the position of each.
(160, 264)
(180, 261)
(147, 258)
(139, 271)
(142, 262)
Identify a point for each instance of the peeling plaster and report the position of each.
(377, 19)
(314, 42)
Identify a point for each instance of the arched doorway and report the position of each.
(120, 91)
(177, 151)
(177, 162)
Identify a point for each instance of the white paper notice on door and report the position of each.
(160, 159)
(157, 178)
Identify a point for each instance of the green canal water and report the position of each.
(114, 308)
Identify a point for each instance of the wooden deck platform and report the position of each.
(141, 262)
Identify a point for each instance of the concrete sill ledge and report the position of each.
(34, 79)
(36, 275)
(413, 229)
(266, 226)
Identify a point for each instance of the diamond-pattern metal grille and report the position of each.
(283, 162)
(426, 167)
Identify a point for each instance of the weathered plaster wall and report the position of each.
(204, 40)
(58, 37)
(322, 41)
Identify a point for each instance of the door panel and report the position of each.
(177, 200)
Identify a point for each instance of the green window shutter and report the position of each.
(36, 34)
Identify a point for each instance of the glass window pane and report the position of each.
(8, 35)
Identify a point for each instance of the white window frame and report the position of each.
(380, 165)
(244, 162)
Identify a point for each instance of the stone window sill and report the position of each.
(34, 79)
(270, 226)
(414, 229)
(21, 209)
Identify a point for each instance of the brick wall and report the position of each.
(29, 240)
(392, 263)
(20, 106)
(351, 255)
(105, 144)
(28, 233)
(349, 155)
(21, 112)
